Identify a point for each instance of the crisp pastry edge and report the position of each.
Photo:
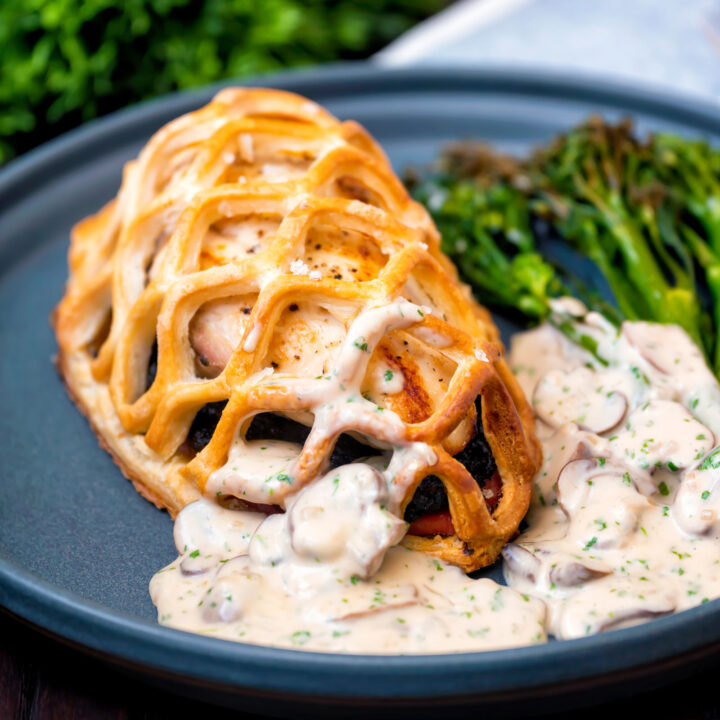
(135, 462)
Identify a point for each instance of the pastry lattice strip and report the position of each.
(146, 257)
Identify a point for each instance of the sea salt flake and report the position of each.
(299, 267)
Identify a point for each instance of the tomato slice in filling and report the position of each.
(436, 524)
(440, 523)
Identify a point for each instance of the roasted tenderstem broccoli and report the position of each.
(645, 212)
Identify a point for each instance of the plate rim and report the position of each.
(133, 640)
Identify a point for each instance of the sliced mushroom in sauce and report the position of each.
(578, 397)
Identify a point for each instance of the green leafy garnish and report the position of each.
(644, 212)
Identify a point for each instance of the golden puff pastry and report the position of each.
(262, 257)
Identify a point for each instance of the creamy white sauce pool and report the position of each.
(623, 525)
(299, 589)
(327, 574)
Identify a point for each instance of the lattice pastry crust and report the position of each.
(249, 241)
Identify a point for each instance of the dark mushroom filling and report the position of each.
(204, 424)
(152, 366)
(428, 512)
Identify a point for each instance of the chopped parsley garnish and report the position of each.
(361, 344)
(280, 477)
(300, 637)
(639, 374)
(712, 461)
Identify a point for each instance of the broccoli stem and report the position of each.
(710, 263)
(646, 213)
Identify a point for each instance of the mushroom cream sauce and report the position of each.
(623, 525)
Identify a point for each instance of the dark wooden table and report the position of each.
(41, 679)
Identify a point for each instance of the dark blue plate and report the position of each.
(78, 544)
